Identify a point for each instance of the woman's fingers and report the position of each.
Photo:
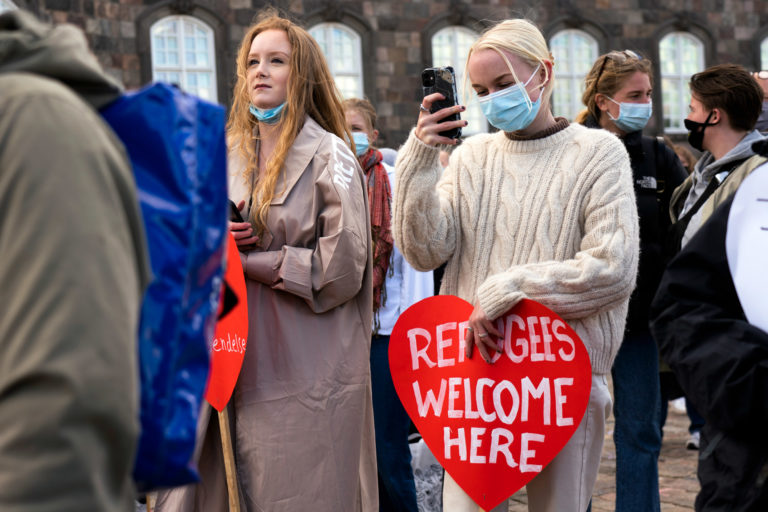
(240, 229)
(246, 242)
(486, 345)
(429, 125)
(489, 327)
(469, 342)
(482, 347)
(483, 333)
(429, 132)
(429, 100)
(243, 233)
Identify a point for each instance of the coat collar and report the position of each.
(296, 161)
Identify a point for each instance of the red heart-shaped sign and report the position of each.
(493, 427)
(229, 338)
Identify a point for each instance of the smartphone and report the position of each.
(442, 80)
(234, 213)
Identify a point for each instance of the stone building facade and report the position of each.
(396, 35)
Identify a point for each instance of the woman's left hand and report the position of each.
(483, 333)
(243, 232)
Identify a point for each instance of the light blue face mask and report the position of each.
(632, 116)
(511, 109)
(361, 142)
(269, 115)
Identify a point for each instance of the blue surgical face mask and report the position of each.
(632, 116)
(361, 142)
(511, 109)
(269, 115)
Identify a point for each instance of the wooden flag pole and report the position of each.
(229, 462)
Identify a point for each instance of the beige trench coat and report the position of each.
(303, 424)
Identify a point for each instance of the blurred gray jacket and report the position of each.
(72, 273)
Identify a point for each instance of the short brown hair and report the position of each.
(729, 87)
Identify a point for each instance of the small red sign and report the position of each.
(493, 427)
(229, 339)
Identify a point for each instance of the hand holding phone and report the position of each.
(241, 230)
(234, 212)
(437, 82)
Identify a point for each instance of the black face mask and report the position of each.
(696, 131)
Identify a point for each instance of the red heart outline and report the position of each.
(551, 357)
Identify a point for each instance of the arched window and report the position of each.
(764, 54)
(183, 53)
(575, 51)
(7, 5)
(342, 49)
(450, 47)
(681, 55)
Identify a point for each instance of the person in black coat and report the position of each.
(721, 362)
(618, 99)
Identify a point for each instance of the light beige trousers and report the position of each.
(566, 483)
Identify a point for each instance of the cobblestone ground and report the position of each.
(678, 485)
(677, 471)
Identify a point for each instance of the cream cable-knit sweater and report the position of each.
(551, 219)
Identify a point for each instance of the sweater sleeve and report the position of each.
(423, 224)
(601, 274)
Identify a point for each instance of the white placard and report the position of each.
(746, 246)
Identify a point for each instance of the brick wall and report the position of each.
(396, 33)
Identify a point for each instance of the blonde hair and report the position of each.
(609, 73)
(311, 91)
(364, 108)
(519, 37)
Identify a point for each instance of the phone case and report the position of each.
(234, 213)
(442, 80)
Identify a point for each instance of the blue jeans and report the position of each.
(636, 434)
(397, 491)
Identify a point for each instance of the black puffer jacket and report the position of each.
(719, 359)
(656, 172)
(721, 362)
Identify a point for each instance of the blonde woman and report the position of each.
(541, 209)
(304, 419)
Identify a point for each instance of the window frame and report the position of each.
(182, 68)
(681, 79)
(357, 43)
(458, 60)
(574, 80)
(7, 5)
(763, 53)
